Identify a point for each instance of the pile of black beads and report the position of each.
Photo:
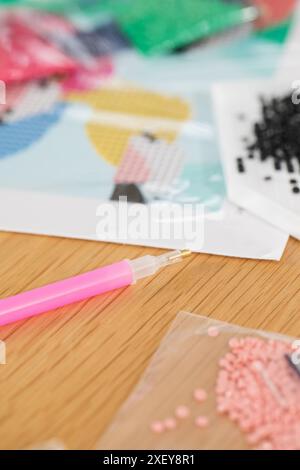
(276, 136)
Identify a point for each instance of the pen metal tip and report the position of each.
(185, 253)
(178, 255)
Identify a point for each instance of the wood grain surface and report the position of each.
(70, 370)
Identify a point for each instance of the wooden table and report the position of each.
(68, 371)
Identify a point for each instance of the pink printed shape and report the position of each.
(133, 167)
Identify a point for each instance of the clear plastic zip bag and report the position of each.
(185, 401)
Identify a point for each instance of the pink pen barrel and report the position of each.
(59, 294)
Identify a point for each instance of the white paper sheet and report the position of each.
(231, 232)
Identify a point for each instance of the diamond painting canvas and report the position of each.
(78, 149)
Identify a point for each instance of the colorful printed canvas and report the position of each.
(117, 141)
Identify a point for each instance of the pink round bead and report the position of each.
(234, 343)
(222, 409)
(201, 421)
(223, 363)
(213, 332)
(182, 412)
(157, 427)
(200, 395)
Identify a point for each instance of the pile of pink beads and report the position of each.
(258, 389)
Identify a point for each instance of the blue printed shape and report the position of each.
(18, 136)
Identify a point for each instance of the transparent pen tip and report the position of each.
(149, 265)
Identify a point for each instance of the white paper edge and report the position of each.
(37, 213)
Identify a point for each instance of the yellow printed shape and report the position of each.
(109, 140)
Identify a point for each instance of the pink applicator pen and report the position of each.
(84, 286)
